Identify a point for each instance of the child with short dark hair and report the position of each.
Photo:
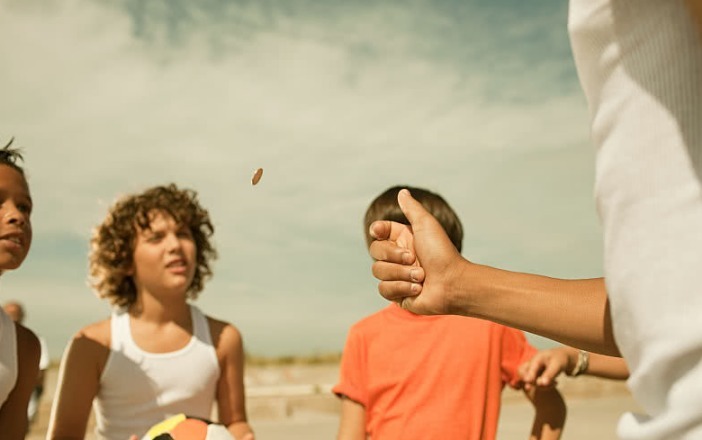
(405, 376)
(157, 355)
(19, 347)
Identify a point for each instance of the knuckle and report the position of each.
(403, 274)
(376, 251)
(375, 269)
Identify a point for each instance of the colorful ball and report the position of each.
(182, 427)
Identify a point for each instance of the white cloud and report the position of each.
(334, 111)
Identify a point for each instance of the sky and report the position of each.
(474, 99)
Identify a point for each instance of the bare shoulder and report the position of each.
(225, 336)
(91, 344)
(26, 337)
(28, 347)
(98, 332)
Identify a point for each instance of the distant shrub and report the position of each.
(313, 359)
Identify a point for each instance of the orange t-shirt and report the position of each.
(430, 377)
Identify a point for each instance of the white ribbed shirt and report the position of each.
(139, 389)
(640, 65)
(8, 356)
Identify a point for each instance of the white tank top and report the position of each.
(139, 389)
(640, 65)
(8, 356)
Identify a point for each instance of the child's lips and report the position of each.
(177, 266)
(13, 240)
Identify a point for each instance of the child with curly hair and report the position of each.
(19, 347)
(157, 355)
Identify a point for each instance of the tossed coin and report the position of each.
(257, 176)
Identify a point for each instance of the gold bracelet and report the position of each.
(582, 364)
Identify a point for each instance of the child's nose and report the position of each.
(172, 242)
(14, 216)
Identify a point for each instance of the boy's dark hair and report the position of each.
(10, 156)
(385, 207)
(112, 244)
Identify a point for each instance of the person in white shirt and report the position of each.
(19, 347)
(640, 65)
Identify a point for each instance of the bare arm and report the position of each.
(230, 387)
(421, 269)
(545, 366)
(352, 425)
(608, 367)
(574, 312)
(78, 384)
(550, 413)
(695, 8)
(13, 414)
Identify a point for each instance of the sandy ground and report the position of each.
(294, 402)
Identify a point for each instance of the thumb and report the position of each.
(430, 239)
(413, 210)
(421, 220)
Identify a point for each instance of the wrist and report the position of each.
(581, 364)
(486, 292)
(462, 288)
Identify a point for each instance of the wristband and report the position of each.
(582, 364)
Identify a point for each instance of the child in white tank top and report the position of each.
(19, 347)
(157, 355)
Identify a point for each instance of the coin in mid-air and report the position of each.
(257, 176)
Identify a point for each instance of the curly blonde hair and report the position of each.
(112, 243)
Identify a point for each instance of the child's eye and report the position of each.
(185, 233)
(154, 238)
(25, 208)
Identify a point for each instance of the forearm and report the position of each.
(352, 421)
(574, 312)
(550, 413)
(599, 365)
(347, 432)
(608, 367)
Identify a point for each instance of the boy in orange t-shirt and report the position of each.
(405, 376)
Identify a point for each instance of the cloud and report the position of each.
(335, 100)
